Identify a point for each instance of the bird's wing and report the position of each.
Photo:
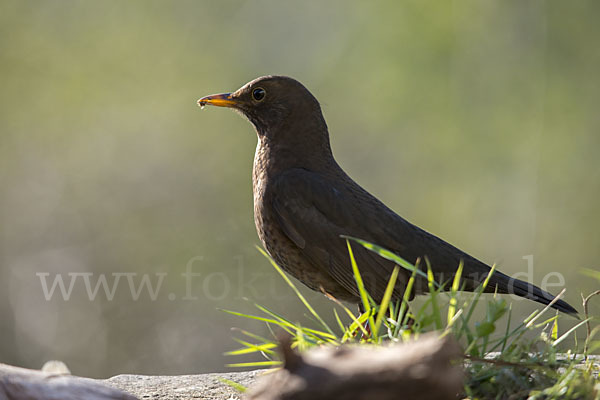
(314, 212)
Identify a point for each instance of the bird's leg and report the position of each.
(361, 308)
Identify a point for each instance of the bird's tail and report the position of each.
(505, 284)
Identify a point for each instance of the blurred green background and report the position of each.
(477, 120)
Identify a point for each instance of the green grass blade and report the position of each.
(252, 348)
(387, 296)
(538, 315)
(388, 255)
(403, 312)
(252, 335)
(554, 333)
(547, 322)
(506, 332)
(256, 317)
(475, 300)
(358, 323)
(364, 296)
(296, 291)
(454, 293)
(338, 320)
(320, 335)
(359, 281)
(567, 333)
(591, 273)
(435, 308)
(239, 387)
(255, 364)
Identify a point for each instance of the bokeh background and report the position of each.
(478, 121)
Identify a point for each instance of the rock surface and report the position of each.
(184, 387)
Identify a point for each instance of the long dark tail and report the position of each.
(506, 284)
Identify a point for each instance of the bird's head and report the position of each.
(280, 108)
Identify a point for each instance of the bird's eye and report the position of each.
(258, 94)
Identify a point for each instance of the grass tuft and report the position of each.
(503, 360)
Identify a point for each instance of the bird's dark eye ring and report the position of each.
(258, 94)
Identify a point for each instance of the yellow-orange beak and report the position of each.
(218, 100)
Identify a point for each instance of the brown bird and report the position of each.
(304, 203)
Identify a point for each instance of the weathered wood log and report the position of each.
(26, 384)
(427, 369)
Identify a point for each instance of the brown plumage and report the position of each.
(304, 202)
